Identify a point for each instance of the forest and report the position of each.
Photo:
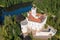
(11, 29)
(7, 3)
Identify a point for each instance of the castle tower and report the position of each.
(33, 10)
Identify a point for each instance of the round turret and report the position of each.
(33, 10)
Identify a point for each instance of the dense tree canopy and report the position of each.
(10, 30)
(6, 3)
(51, 8)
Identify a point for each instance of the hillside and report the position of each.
(50, 7)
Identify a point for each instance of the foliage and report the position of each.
(50, 7)
(24, 14)
(7, 3)
(10, 30)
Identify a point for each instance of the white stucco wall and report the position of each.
(36, 25)
(24, 25)
(42, 34)
(32, 25)
(24, 28)
(33, 10)
(52, 32)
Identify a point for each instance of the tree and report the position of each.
(11, 29)
(52, 7)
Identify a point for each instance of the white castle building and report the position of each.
(35, 23)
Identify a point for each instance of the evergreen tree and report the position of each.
(11, 29)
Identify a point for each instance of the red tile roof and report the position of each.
(31, 18)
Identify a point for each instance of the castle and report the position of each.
(35, 23)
